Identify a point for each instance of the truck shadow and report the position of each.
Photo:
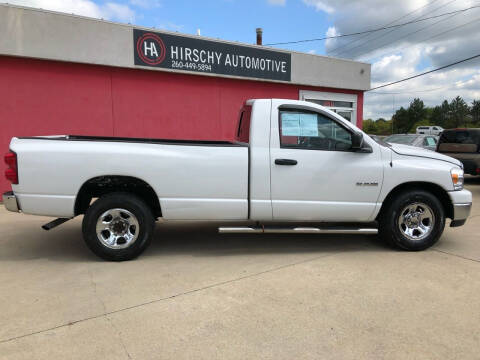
(204, 240)
(65, 243)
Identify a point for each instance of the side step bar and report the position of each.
(296, 230)
(54, 223)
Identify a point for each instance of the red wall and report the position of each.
(46, 97)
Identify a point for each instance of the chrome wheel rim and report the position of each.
(117, 228)
(416, 221)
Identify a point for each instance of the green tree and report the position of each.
(369, 126)
(428, 116)
(475, 112)
(436, 116)
(444, 114)
(400, 121)
(377, 127)
(459, 111)
(404, 120)
(417, 113)
(384, 127)
(424, 122)
(447, 115)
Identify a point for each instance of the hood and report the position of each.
(408, 150)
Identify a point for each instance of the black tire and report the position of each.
(390, 227)
(142, 216)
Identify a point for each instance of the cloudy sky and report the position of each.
(393, 53)
(401, 52)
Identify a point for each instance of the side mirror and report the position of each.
(358, 144)
(357, 141)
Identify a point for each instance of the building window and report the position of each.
(344, 105)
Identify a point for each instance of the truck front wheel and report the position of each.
(118, 226)
(413, 220)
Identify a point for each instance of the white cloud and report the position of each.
(432, 89)
(277, 2)
(320, 5)
(397, 66)
(146, 4)
(408, 50)
(118, 11)
(109, 10)
(473, 83)
(330, 32)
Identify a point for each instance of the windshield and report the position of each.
(401, 139)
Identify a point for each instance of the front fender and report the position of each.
(409, 169)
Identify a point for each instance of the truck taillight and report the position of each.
(12, 171)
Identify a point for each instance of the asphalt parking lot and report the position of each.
(198, 294)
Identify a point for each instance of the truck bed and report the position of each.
(200, 180)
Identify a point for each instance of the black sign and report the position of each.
(204, 56)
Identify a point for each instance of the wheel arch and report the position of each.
(433, 188)
(106, 184)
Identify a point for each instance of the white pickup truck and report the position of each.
(293, 163)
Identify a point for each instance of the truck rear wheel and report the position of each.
(413, 220)
(118, 226)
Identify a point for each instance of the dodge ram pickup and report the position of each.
(292, 163)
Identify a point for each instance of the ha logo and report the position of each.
(151, 49)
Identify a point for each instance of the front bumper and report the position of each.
(10, 201)
(462, 205)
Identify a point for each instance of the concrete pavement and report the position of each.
(197, 294)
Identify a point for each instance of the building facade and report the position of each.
(66, 74)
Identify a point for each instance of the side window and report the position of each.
(309, 130)
(243, 131)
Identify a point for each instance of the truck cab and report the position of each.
(307, 164)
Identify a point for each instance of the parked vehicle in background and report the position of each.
(294, 167)
(376, 137)
(464, 145)
(428, 142)
(429, 130)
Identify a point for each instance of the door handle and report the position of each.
(285, 162)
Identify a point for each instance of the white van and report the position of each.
(429, 130)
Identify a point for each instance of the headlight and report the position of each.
(457, 178)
